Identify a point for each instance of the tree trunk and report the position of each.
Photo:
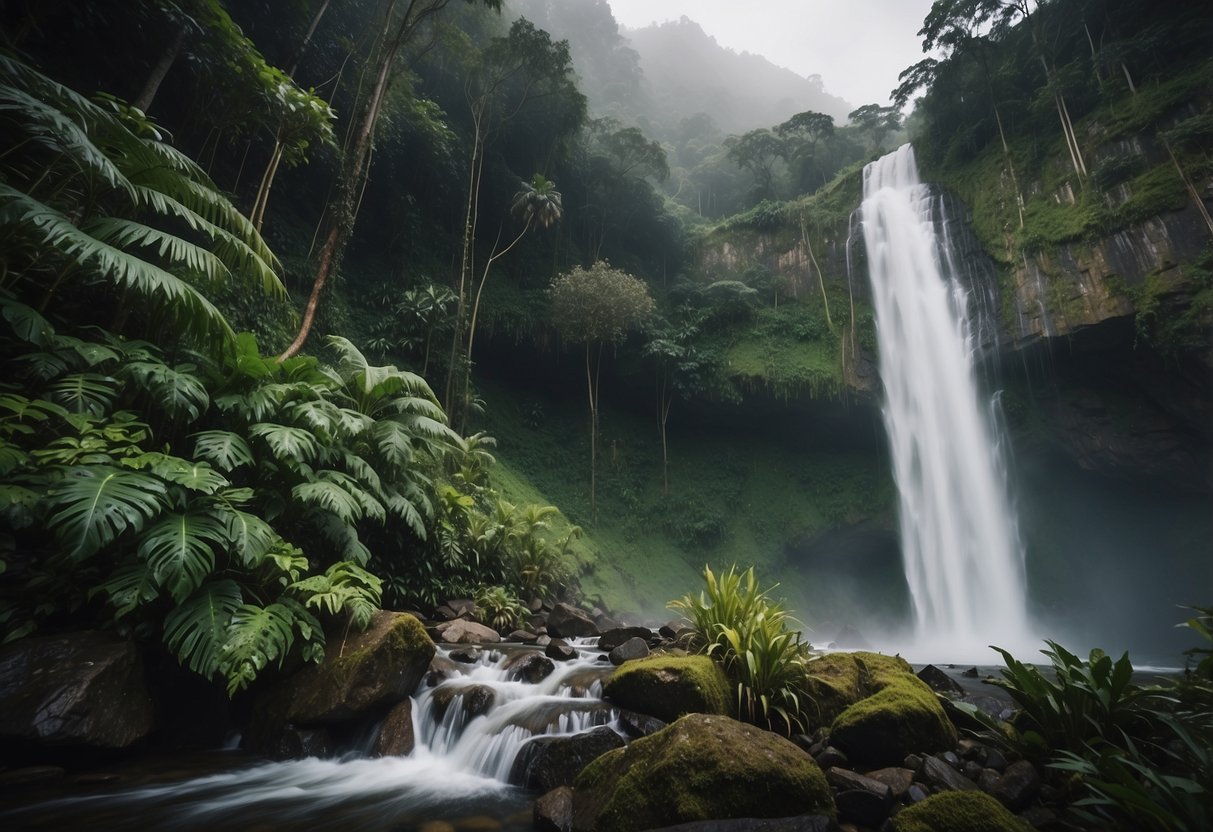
(143, 101)
(804, 235)
(590, 389)
(665, 399)
(1191, 189)
(307, 38)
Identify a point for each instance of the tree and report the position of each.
(595, 307)
(620, 161)
(399, 26)
(876, 122)
(801, 134)
(679, 365)
(757, 151)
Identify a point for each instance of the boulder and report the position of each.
(1018, 785)
(896, 778)
(475, 700)
(942, 776)
(633, 648)
(956, 812)
(359, 673)
(639, 725)
(522, 637)
(462, 631)
(554, 811)
(939, 681)
(613, 638)
(82, 688)
(833, 684)
(566, 621)
(802, 823)
(669, 686)
(465, 655)
(396, 737)
(530, 666)
(702, 767)
(547, 762)
(291, 743)
(902, 715)
(560, 651)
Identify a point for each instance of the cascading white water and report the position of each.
(458, 772)
(962, 553)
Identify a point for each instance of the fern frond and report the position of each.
(97, 503)
(330, 496)
(197, 629)
(171, 249)
(344, 587)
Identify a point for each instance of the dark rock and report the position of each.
(291, 743)
(1017, 786)
(917, 793)
(806, 744)
(536, 605)
(605, 622)
(444, 613)
(913, 762)
(475, 700)
(462, 631)
(971, 673)
(972, 750)
(465, 655)
(800, 823)
(396, 737)
(939, 681)
(613, 638)
(671, 629)
(971, 769)
(1040, 817)
(996, 760)
(530, 667)
(560, 651)
(554, 811)
(951, 759)
(897, 779)
(566, 621)
(831, 757)
(543, 640)
(987, 779)
(522, 637)
(537, 621)
(74, 689)
(942, 776)
(441, 668)
(861, 807)
(633, 648)
(463, 607)
(843, 779)
(639, 725)
(603, 657)
(669, 686)
(702, 766)
(547, 762)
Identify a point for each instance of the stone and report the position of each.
(560, 651)
(917, 792)
(896, 778)
(475, 700)
(861, 807)
(971, 769)
(83, 688)
(543, 640)
(971, 673)
(1040, 817)
(547, 762)
(942, 776)
(291, 743)
(522, 636)
(566, 621)
(554, 811)
(639, 725)
(396, 737)
(913, 762)
(462, 631)
(800, 823)
(830, 757)
(465, 655)
(987, 779)
(996, 760)
(633, 648)
(843, 779)
(951, 759)
(611, 639)
(444, 613)
(1019, 784)
(671, 629)
(901, 716)
(956, 812)
(702, 767)
(939, 681)
(359, 673)
(532, 667)
(669, 686)
(463, 607)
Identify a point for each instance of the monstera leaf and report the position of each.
(94, 504)
(197, 629)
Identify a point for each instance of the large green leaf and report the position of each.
(197, 629)
(85, 393)
(129, 588)
(179, 550)
(344, 587)
(258, 636)
(176, 389)
(249, 537)
(94, 504)
(196, 476)
(294, 444)
(330, 496)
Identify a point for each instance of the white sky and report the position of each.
(858, 47)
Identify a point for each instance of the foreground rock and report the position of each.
(899, 716)
(566, 621)
(361, 675)
(957, 812)
(669, 686)
(703, 767)
(74, 689)
(548, 762)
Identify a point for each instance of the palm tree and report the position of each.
(536, 203)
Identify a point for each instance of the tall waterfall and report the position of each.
(962, 553)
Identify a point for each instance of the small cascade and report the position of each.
(960, 542)
(458, 772)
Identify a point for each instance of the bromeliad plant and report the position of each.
(749, 635)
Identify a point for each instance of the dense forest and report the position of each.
(312, 309)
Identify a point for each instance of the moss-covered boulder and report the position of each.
(900, 716)
(957, 812)
(667, 687)
(703, 767)
(833, 683)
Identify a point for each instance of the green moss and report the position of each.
(667, 686)
(833, 684)
(894, 713)
(957, 812)
(700, 768)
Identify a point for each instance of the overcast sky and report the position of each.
(857, 46)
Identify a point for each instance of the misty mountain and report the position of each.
(659, 76)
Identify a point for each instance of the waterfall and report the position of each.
(960, 543)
